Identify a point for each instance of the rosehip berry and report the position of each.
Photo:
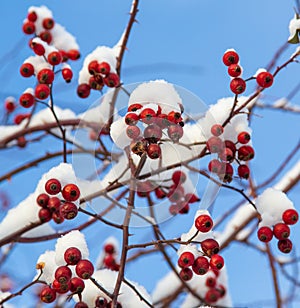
(131, 118)
(226, 155)
(229, 144)
(81, 305)
(237, 85)
(215, 144)
(53, 186)
(10, 104)
(83, 90)
(26, 70)
(68, 210)
(72, 256)
(174, 117)
(112, 80)
(67, 74)
(264, 79)
(38, 49)
(222, 290)
(64, 55)
(200, 266)
(104, 68)
(32, 16)
(243, 137)
(54, 58)
(285, 245)
(243, 171)
(234, 70)
(109, 261)
(210, 247)
(109, 249)
(21, 142)
(290, 216)
(70, 192)
(45, 76)
(186, 274)
(227, 178)
(162, 121)
(183, 207)
(154, 151)
(245, 153)
(46, 36)
(175, 132)
(133, 131)
(26, 100)
(210, 282)
(191, 198)
(147, 115)
(73, 54)
(63, 274)
(176, 194)
(230, 57)
(204, 223)
(48, 23)
(134, 107)
(101, 302)
(265, 234)
(160, 193)
(76, 285)
(84, 269)
(215, 166)
(42, 91)
(54, 204)
(28, 27)
(186, 259)
(94, 84)
(211, 296)
(60, 287)
(93, 67)
(152, 133)
(45, 215)
(57, 218)
(20, 117)
(47, 295)
(216, 262)
(217, 130)
(281, 231)
(173, 209)
(42, 200)
(178, 177)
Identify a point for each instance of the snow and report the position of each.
(47, 261)
(260, 70)
(288, 177)
(294, 26)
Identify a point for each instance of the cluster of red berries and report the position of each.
(238, 85)
(109, 260)
(64, 280)
(281, 231)
(147, 141)
(100, 75)
(228, 152)
(180, 200)
(53, 207)
(10, 106)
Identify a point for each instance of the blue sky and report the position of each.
(182, 42)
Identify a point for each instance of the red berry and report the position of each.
(174, 117)
(281, 231)
(94, 84)
(45, 215)
(186, 274)
(10, 104)
(243, 137)
(42, 91)
(46, 36)
(64, 55)
(154, 151)
(200, 265)
(48, 23)
(47, 295)
(178, 177)
(72, 256)
(134, 107)
(73, 54)
(215, 144)
(204, 223)
(57, 218)
(67, 74)
(153, 133)
(68, 210)
(175, 132)
(54, 58)
(45, 75)
(265, 234)
(243, 171)
(101, 302)
(264, 79)
(21, 142)
(216, 262)
(147, 115)
(131, 118)
(71, 192)
(133, 131)
(227, 176)
(160, 193)
(290, 216)
(32, 16)
(162, 121)
(237, 85)
(112, 80)
(212, 295)
(93, 67)
(109, 248)
(183, 207)
(191, 198)
(186, 259)
(20, 117)
(53, 204)
(229, 144)
(42, 200)
(215, 166)
(76, 285)
(83, 90)
(26, 100)
(210, 282)
(226, 155)
(63, 274)
(84, 269)
(60, 287)
(234, 70)
(27, 70)
(104, 68)
(28, 27)
(109, 261)
(245, 153)
(53, 186)
(38, 49)
(210, 247)
(285, 245)
(230, 57)
(217, 130)
(81, 305)
(176, 193)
